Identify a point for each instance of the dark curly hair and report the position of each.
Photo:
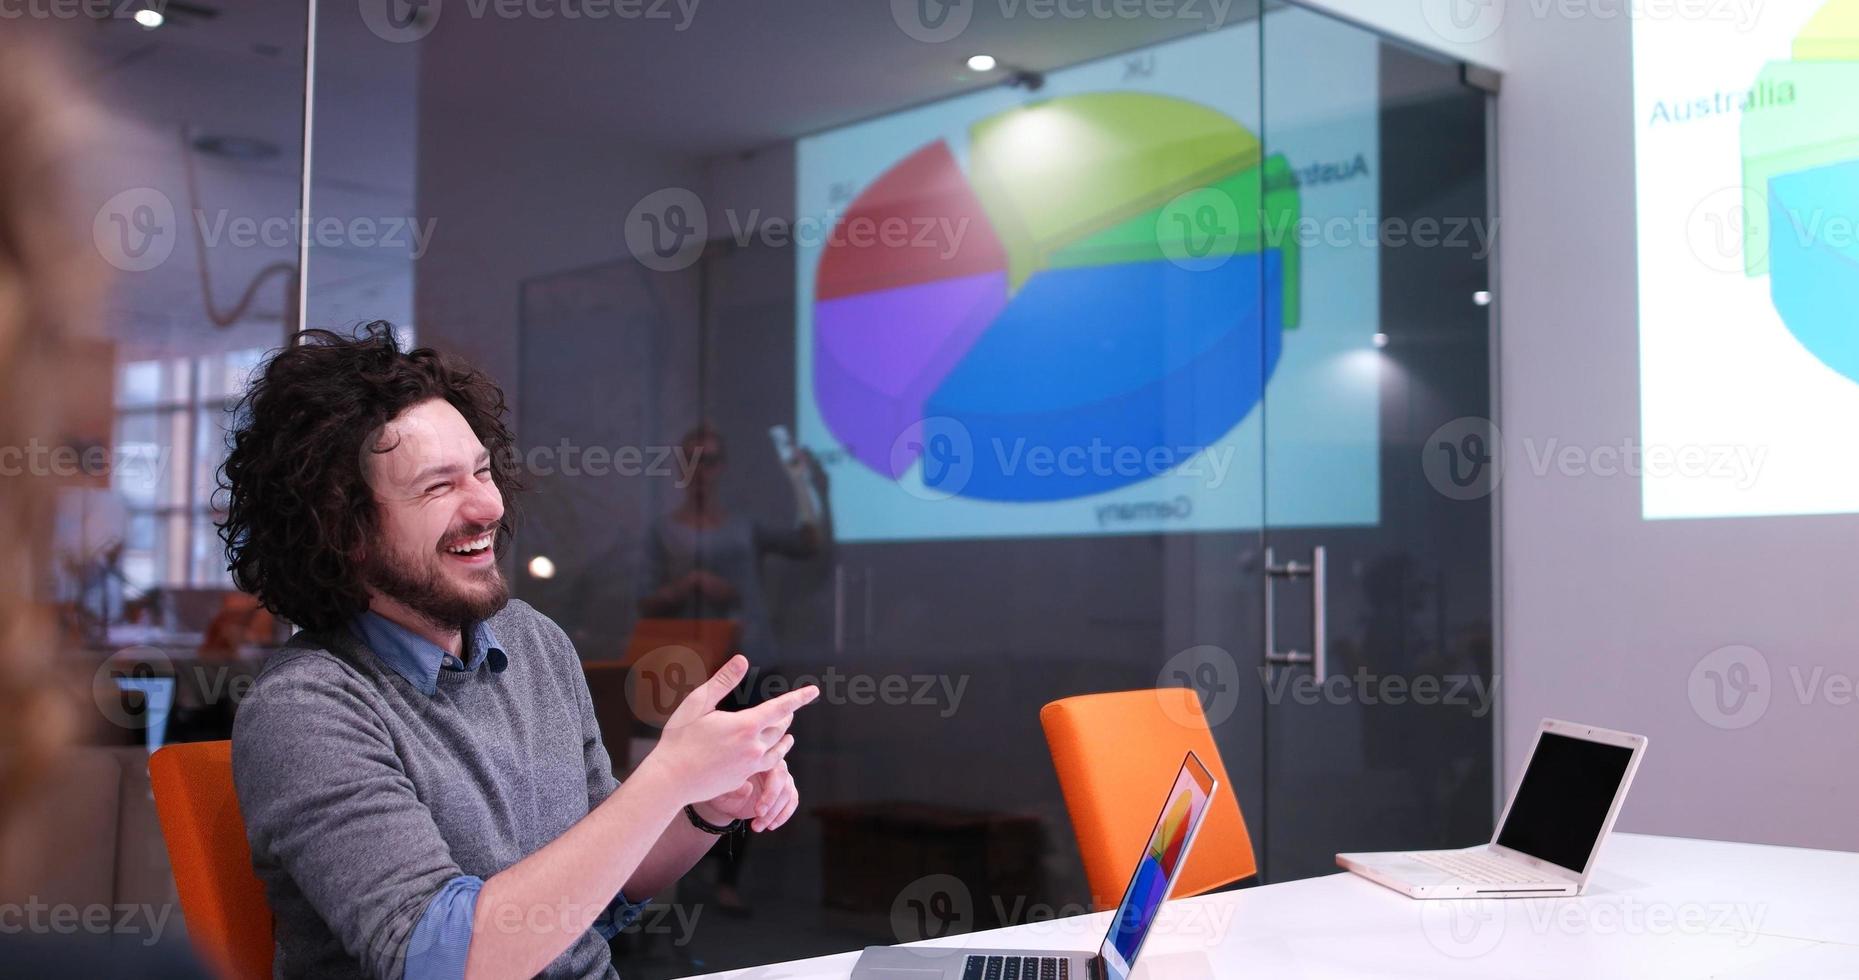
(298, 505)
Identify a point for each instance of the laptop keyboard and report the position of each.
(1477, 868)
(1017, 968)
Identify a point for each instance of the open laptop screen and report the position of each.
(1562, 803)
(1161, 859)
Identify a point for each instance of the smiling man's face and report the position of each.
(438, 511)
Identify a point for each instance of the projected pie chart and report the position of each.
(1079, 295)
(1801, 174)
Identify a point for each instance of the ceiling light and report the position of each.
(1482, 298)
(149, 17)
(981, 62)
(541, 567)
(1381, 340)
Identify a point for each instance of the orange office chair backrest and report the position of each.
(1117, 755)
(712, 639)
(221, 898)
(666, 658)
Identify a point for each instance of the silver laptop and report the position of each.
(1161, 862)
(1549, 835)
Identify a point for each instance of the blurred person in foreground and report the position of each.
(422, 778)
(49, 283)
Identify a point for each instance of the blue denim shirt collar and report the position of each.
(418, 659)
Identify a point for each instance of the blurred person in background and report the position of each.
(49, 286)
(703, 561)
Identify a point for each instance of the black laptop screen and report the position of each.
(1563, 801)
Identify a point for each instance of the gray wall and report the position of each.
(1605, 616)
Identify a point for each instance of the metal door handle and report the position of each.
(1318, 654)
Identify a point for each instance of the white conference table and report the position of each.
(1657, 907)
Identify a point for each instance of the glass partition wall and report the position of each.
(959, 387)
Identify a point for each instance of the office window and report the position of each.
(171, 419)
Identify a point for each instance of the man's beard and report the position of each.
(422, 586)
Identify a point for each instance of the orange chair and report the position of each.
(1117, 756)
(221, 899)
(713, 639)
(666, 658)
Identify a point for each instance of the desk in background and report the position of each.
(1658, 907)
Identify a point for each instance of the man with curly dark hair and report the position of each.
(422, 780)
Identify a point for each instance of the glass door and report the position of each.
(1376, 656)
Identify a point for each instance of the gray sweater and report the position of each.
(363, 796)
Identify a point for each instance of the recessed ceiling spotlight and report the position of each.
(150, 18)
(1482, 298)
(1381, 340)
(981, 62)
